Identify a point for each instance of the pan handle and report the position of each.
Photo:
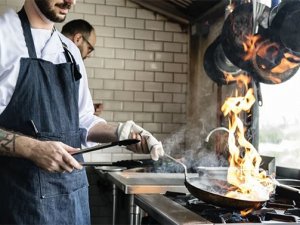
(278, 184)
(177, 161)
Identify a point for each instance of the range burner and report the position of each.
(276, 210)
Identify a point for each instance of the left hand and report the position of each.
(147, 144)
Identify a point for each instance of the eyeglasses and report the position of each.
(91, 48)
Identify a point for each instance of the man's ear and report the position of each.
(77, 39)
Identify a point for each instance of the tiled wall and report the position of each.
(138, 70)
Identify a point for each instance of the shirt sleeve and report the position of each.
(87, 119)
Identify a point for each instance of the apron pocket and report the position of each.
(55, 184)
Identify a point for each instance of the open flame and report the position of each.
(247, 180)
(250, 45)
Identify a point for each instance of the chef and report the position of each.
(46, 114)
(83, 34)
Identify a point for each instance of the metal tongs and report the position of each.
(115, 143)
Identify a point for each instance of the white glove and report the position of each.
(155, 147)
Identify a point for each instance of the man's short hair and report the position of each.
(77, 26)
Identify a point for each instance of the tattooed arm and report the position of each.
(16, 145)
(52, 156)
(8, 143)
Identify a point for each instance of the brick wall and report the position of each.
(138, 72)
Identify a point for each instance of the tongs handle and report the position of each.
(97, 147)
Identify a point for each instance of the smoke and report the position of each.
(198, 154)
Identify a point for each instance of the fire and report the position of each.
(244, 173)
(241, 79)
(250, 45)
(285, 64)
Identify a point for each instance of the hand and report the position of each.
(148, 143)
(54, 156)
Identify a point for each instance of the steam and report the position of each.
(198, 154)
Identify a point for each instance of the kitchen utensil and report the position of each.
(220, 173)
(217, 65)
(270, 47)
(286, 187)
(285, 25)
(236, 28)
(97, 147)
(212, 190)
(286, 192)
(142, 163)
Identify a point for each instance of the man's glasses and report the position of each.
(91, 48)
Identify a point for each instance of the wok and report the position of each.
(212, 190)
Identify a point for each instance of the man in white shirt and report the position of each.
(46, 114)
(82, 33)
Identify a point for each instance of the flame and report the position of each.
(244, 173)
(271, 50)
(250, 45)
(241, 79)
(285, 64)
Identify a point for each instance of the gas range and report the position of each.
(178, 208)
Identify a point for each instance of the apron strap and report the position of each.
(31, 48)
(70, 58)
(27, 33)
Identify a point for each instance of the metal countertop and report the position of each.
(148, 183)
(167, 211)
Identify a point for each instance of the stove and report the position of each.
(183, 208)
(179, 208)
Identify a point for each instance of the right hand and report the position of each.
(148, 143)
(54, 156)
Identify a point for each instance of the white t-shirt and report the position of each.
(48, 47)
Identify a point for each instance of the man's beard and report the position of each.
(45, 8)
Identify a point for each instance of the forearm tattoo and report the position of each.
(7, 143)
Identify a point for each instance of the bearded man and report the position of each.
(46, 115)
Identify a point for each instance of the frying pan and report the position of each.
(285, 25)
(239, 25)
(216, 64)
(289, 188)
(212, 190)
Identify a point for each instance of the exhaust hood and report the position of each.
(182, 11)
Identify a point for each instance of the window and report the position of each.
(279, 122)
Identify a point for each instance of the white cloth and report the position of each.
(155, 147)
(48, 47)
(264, 2)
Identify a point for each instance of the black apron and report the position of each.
(44, 106)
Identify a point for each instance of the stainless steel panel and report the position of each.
(149, 183)
(167, 211)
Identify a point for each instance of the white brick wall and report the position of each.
(139, 68)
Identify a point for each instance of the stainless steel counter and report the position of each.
(132, 183)
(148, 183)
(167, 211)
